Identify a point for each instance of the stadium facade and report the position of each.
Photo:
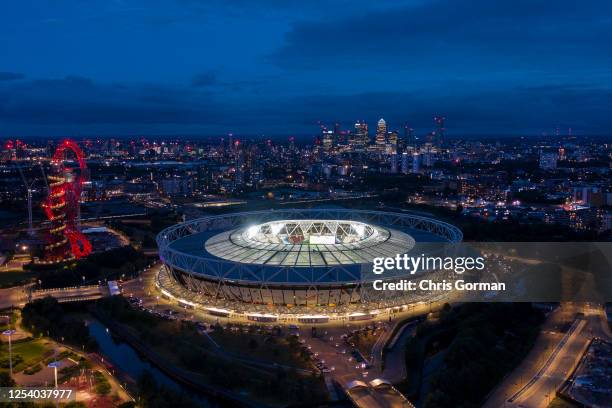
(310, 265)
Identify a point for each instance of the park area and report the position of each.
(31, 354)
(261, 363)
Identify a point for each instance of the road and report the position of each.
(19, 295)
(328, 345)
(395, 358)
(534, 383)
(15, 296)
(79, 293)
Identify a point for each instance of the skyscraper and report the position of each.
(404, 163)
(360, 135)
(328, 139)
(381, 134)
(337, 135)
(439, 139)
(394, 163)
(416, 161)
(402, 140)
(409, 139)
(230, 141)
(393, 140)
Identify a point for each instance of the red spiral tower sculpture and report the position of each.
(62, 206)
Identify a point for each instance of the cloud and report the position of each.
(452, 35)
(77, 104)
(75, 100)
(508, 110)
(10, 76)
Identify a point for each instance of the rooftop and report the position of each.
(308, 243)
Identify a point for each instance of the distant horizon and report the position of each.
(298, 137)
(347, 125)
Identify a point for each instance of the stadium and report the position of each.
(310, 265)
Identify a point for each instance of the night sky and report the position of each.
(277, 67)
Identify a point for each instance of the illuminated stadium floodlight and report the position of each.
(308, 243)
(292, 232)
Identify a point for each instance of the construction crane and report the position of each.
(42, 170)
(28, 187)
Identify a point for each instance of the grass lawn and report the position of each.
(4, 324)
(31, 351)
(14, 278)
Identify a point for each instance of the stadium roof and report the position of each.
(309, 243)
(244, 247)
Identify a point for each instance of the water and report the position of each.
(125, 358)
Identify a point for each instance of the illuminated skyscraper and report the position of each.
(404, 163)
(393, 140)
(360, 135)
(381, 134)
(428, 157)
(394, 163)
(328, 139)
(416, 163)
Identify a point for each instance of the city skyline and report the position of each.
(208, 68)
(316, 133)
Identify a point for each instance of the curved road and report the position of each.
(534, 383)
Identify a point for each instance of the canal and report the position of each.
(125, 358)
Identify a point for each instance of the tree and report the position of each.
(6, 380)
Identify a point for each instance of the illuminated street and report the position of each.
(534, 383)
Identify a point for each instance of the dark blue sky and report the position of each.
(276, 67)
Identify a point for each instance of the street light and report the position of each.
(9, 333)
(55, 365)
